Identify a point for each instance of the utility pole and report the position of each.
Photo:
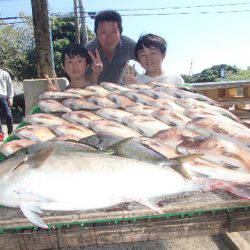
(191, 68)
(84, 33)
(77, 30)
(43, 41)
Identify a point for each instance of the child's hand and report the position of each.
(129, 77)
(97, 65)
(52, 83)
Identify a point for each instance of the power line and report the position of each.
(186, 13)
(187, 6)
(6, 24)
(91, 14)
(177, 13)
(9, 18)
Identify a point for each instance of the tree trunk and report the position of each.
(77, 30)
(43, 41)
(84, 34)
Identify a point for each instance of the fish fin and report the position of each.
(145, 202)
(109, 151)
(16, 162)
(40, 157)
(187, 158)
(182, 171)
(239, 191)
(30, 213)
(231, 187)
(30, 197)
(180, 161)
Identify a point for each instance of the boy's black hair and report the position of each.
(150, 40)
(109, 16)
(76, 50)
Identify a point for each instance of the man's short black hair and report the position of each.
(150, 40)
(109, 16)
(76, 50)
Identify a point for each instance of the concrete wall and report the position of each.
(33, 88)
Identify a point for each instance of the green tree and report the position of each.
(63, 33)
(214, 73)
(17, 46)
(17, 53)
(188, 78)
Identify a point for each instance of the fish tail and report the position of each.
(245, 156)
(242, 191)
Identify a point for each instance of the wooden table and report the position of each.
(198, 214)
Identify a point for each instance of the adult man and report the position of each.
(6, 100)
(110, 50)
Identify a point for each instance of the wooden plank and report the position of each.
(211, 93)
(229, 93)
(111, 233)
(235, 241)
(246, 91)
(242, 114)
(234, 101)
(219, 85)
(10, 217)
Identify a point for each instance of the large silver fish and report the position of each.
(53, 106)
(190, 103)
(37, 182)
(57, 95)
(101, 141)
(80, 92)
(200, 167)
(175, 135)
(98, 90)
(220, 125)
(171, 117)
(146, 125)
(80, 104)
(113, 114)
(73, 129)
(113, 86)
(217, 149)
(137, 97)
(115, 128)
(120, 101)
(46, 120)
(35, 133)
(143, 149)
(11, 147)
(101, 101)
(141, 109)
(81, 117)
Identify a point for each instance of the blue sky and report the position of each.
(205, 39)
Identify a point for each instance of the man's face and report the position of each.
(150, 58)
(108, 35)
(75, 66)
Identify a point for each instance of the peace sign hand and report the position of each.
(52, 83)
(129, 77)
(97, 65)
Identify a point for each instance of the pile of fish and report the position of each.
(114, 144)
